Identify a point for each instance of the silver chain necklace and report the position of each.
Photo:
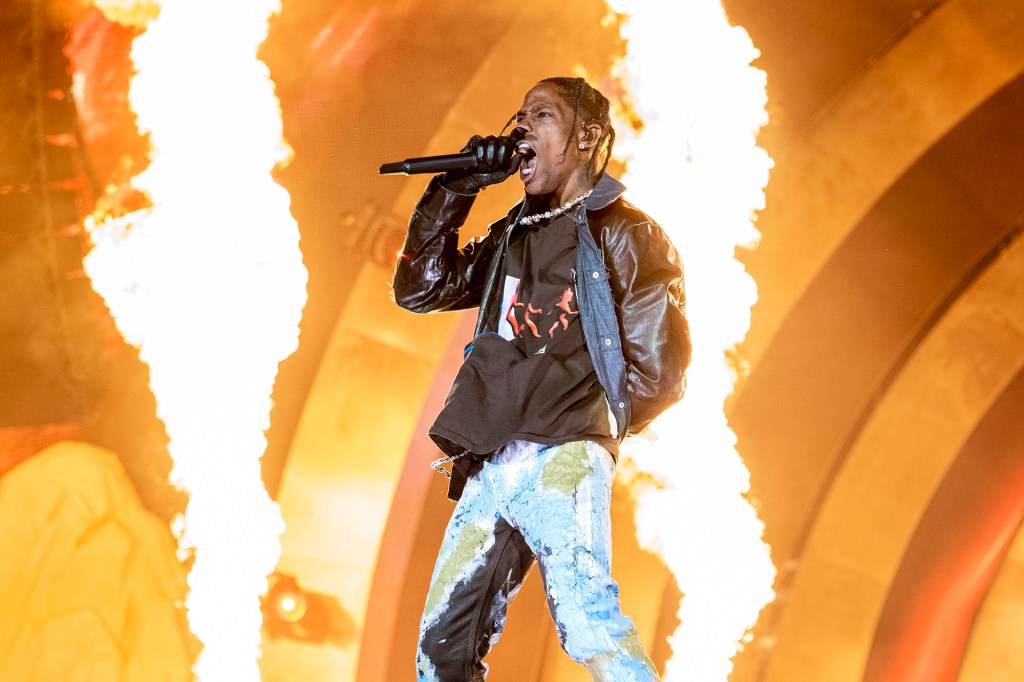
(555, 212)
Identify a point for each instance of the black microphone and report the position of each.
(440, 164)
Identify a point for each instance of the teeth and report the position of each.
(529, 157)
(529, 160)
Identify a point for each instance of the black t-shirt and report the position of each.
(532, 379)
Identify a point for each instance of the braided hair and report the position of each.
(588, 105)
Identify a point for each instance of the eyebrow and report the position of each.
(542, 105)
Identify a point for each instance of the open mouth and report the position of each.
(529, 159)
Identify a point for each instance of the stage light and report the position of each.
(290, 607)
(293, 612)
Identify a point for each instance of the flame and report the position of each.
(695, 166)
(133, 13)
(209, 283)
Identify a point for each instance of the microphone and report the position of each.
(441, 164)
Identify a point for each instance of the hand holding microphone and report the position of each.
(484, 161)
(496, 161)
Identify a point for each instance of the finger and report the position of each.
(492, 154)
(517, 161)
(509, 170)
(472, 144)
(480, 149)
(505, 150)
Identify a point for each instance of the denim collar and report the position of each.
(607, 190)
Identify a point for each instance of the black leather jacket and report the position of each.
(629, 290)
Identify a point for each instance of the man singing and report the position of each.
(581, 340)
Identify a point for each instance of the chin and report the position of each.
(533, 191)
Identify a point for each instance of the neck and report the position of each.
(577, 185)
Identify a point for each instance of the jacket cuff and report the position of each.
(443, 207)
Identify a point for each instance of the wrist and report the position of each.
(464, 186)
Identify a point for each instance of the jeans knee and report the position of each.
(591, 626)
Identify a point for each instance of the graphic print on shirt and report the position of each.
(522, 318)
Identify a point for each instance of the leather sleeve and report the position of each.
(646, 276)
(433, 274)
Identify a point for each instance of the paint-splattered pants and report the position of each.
(530, 501)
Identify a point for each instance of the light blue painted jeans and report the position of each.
(530, 501)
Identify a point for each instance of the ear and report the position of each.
(590, 133)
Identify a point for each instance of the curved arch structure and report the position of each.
(902, 455)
